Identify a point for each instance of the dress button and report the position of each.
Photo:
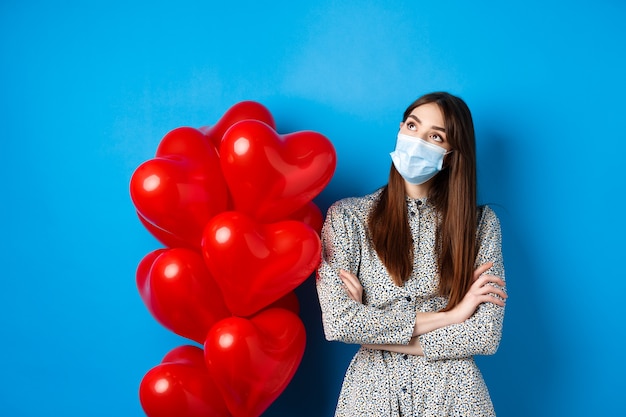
(408, 298)
(419, 202)
(412, 213)
(406, 356)
(403, 389)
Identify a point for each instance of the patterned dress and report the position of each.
(443, 382)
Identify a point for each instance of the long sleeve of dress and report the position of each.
(481, 333)
(344, 319)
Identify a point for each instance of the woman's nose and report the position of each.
(419, 133)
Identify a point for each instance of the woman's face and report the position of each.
(427, 122)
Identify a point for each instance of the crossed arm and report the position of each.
(471, 328)
(481, 291)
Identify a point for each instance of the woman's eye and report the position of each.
(436, 138)
(411, 126)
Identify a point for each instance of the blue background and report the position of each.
(88, 91)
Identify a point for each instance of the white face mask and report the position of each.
(416, 159)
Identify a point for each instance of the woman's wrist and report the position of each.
(429, 321)
(450, 317)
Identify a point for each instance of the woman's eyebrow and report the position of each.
(441, 129)
(415, 118)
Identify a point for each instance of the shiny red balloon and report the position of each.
(243, 110)
(288, 302)
(253, 360)
(256, 264)
(311, 215)
(166, 238)
(180, 189)
(181, 386)
(271, 176)
(233, 204)
(180, 292)
(142, 279)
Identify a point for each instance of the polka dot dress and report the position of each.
(443, 382)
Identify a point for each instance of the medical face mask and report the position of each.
(417, 160)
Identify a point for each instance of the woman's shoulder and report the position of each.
(355, 209)
(487, 217)
(485, 211)
(355, 205)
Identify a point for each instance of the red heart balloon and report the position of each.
(142, 278)
(288, 302)
(311, 215)
(185, 354)
(256, 264)
(181, 293)
(243, 110)
(253, 361)
(166, 238)
(180, 189)
(271, 176)
(181, 386)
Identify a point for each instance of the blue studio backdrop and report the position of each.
(88, 89)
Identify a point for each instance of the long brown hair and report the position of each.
(453, 193)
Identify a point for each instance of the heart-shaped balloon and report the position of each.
(244, 110)
(142, 279)
(253, 360)
(255, 264)
(180, 292)
(288, 302)
(185, 354)
(311, 215)
(166, 238)
(271, 176)
(181, 386)
(180, 189)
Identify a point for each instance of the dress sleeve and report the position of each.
(344, 319)
(481, 333)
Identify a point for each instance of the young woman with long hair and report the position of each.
(414, 274)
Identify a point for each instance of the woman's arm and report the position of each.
(425, 322)
(343, 318)
(481, 332)
(413, 348)
(480, 292)
(474, 326)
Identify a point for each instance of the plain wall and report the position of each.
(88, 89)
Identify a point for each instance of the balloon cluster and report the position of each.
(232, 204)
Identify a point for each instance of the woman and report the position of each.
(414, 274)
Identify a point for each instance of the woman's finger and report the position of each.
(489, 298)
(482, 269)
(351, 284)
(488, 279)
(349, 279)
(347, 284)
(491, 290)
(488, 292)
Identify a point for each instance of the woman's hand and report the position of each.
(480, 292)
(352, 285)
